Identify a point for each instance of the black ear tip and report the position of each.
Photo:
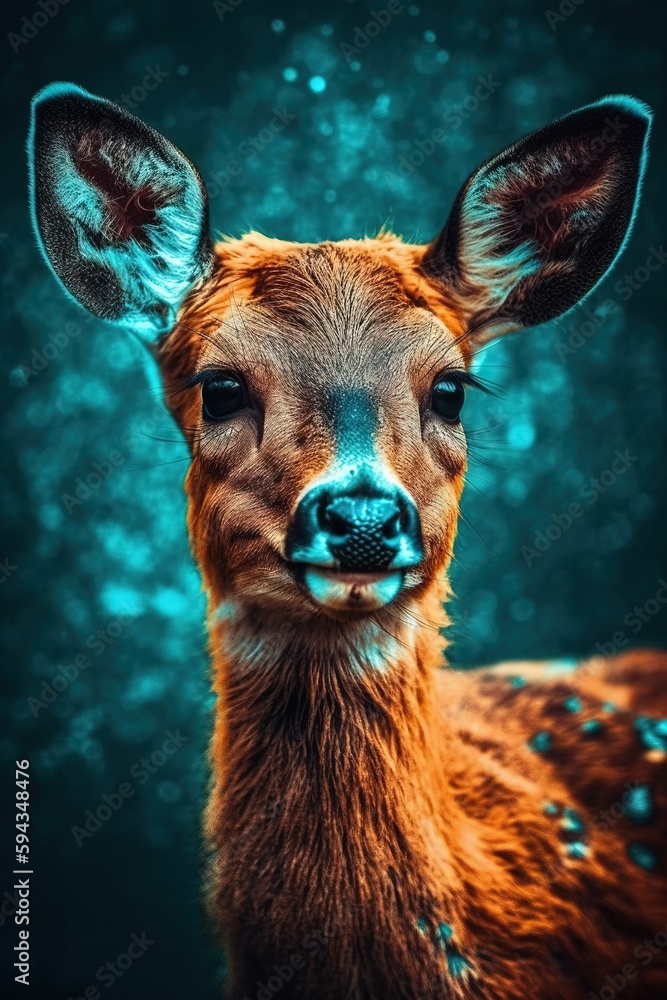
(58, 105)
(628, 108)
(57, 92)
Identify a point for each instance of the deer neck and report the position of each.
(332, 817)
(326, 738)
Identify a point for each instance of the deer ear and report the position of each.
(538, 226)
(120, 214)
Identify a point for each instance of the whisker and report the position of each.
(154, 437)
(158, 465)
(486, 462)
(396, 638)
(469, 523)
(414, 620)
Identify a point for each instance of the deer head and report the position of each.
(320, 386)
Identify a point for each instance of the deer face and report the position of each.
(322, 403)
(320, 387)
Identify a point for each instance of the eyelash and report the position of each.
(455, 374)
(463, 378)
(200, 377)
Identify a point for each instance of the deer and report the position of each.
(380, 826)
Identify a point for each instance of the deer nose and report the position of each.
(356, 527)
(363, 533)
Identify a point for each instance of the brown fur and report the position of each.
(355, 809)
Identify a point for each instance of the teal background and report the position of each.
(335, 171)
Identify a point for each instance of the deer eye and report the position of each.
(447, 397)
(221, 396)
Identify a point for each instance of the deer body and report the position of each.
(426, 863)
(381, 828)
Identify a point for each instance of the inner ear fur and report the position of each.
(120, 213)
(536, 227)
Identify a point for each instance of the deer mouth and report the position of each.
(342, 590)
